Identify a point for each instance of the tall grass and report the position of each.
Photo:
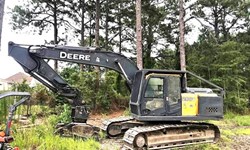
(237, 119)
(42, 138)
(4, 107)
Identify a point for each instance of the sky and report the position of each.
(8, 66)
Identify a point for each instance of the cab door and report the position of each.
(173, 95)
(162, 96)
(154, 103)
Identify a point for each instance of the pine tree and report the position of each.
(1, 18)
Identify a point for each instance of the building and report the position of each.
(5, 84)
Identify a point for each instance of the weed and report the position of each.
(41, 137)
(102, 135)
(127, 112)
(202, 147)
(245, 131)
(242, 120)
(65, 114)
(227, 132)
(53, 120)
(33, 118)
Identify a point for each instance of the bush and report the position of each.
(236, 104)
(108, 93)
(65, 113)
(42, 96)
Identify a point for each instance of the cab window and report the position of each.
(154, 88)
(174, 90)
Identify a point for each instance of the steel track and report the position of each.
(166, 136)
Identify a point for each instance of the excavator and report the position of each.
(165, 112)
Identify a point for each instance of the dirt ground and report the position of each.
(96, 119)
(240, 142)
(107, 144)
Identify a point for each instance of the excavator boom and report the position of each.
(32, 59)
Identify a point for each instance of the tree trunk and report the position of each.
(1, 18)
(97, 24)
(55, 33)
(90, 30)
(182, 33)
(82, 2)
(106, 24)
(97, 44)
(120, 28)
(82, 21)
(138, 35)
(216, 23)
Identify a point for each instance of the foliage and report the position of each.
(112, 91)
(239, 120)
(221, 53)
(223, 16)
(42, 96)
(219, 64)
(44, 15)
(65, 115)
(22, 87)
(167, 60)
(4, 105)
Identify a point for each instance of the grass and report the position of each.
(41, 137)
(245, 131)
(232, 125)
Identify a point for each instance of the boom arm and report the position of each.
(31, 58)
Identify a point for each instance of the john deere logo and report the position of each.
(65, 55)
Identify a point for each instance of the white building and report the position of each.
(4, 85)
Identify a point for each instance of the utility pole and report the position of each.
(182, 33)
(139, 35)
(1, 18)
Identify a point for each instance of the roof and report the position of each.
(2, 80)
(19, 78)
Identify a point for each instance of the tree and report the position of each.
(138, 35)
(160, 30)
(225, 64)
(182, 33)
(157, 30)
(97, 44)
(41, 14)
(1, 18)
(221, 17)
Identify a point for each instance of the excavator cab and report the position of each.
(160, 95)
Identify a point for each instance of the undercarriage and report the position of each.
(147, 135)
(160, 135)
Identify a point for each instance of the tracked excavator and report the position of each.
(166, 113)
